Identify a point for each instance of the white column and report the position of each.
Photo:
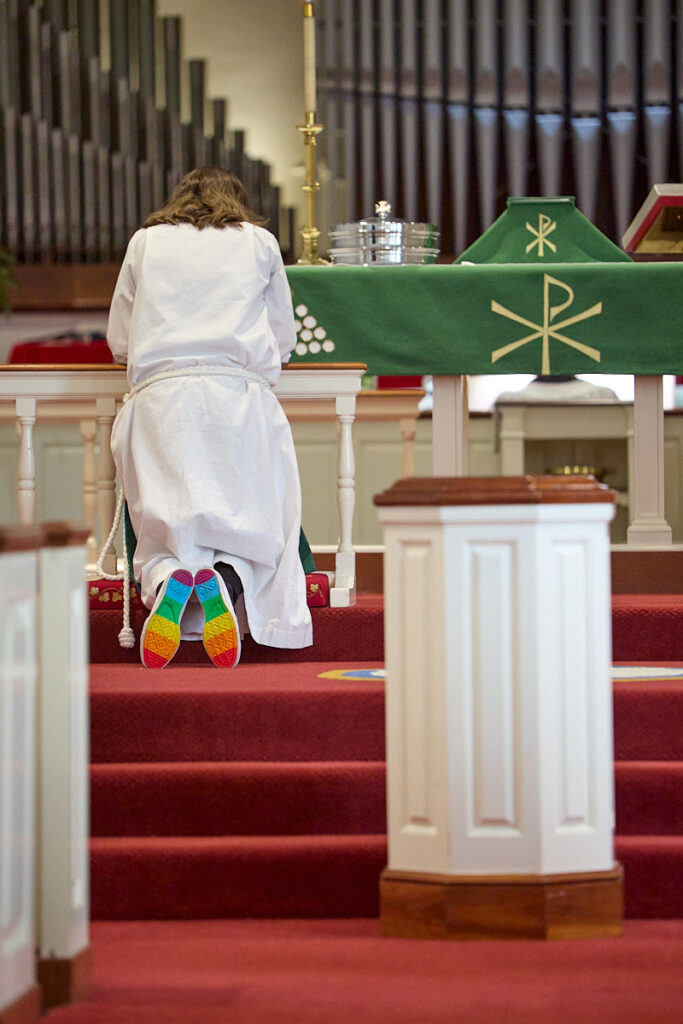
(450, 422)
(63, 795)
(343, 593)
(511, 437)
(499, 721)
(649, 525)
(19, 994)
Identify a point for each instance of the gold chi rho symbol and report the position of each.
(545, 226)
(550, 328)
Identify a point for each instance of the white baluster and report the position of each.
(26, 488)
(106, 474)
(88, 430)
(344, 591)
(407, 427)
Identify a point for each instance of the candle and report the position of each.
(309, 58)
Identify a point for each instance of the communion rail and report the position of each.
(91, 395)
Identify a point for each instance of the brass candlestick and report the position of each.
(310, 232)
(310, 131)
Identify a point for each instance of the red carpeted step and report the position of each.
(219, 877)
(648, 720)
(283, 713)
(653, 875)
(294, 714)
(647, 627)
(649, 798)
(356, 632)
(237, 799)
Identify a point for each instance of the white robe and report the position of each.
(207, 463)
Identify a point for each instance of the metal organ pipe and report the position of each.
(586, 123)
(458, 114)
(348, 85)
(549, 94)
(408, 87)
(432, 92)
(516, 94)
(485, 105)
(387, 111)
(86, 152)
(656, 87)
(621, 105)
(366, 84)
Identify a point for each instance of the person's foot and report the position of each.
(160, 637)
(221, 632)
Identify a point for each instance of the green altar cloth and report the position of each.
(549, 294)
(559, 318)
(543, 229)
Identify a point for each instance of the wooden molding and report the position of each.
(21, 538)
(64, 980)
(24, 1010)
(633, 572)
(586, 905)
(369, 569)
(647, 572)
(63, 286)
(63, 534)
(495, 490)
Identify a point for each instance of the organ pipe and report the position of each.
(516, 94)
(89, 143)
(486, 88)
(408, 88)
(413, 94)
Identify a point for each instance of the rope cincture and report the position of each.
(127, 636)
(197, 371)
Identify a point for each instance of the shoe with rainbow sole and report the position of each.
(221, 632)
(160, 637)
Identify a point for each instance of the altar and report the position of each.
(562, 299)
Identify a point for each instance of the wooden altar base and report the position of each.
(65, 980)
(587, 905)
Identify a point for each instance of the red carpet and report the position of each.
(647, 627)
(644, 628)
(338, 632)
(259, 792)
(342, 972)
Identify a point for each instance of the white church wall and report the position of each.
(254, 55)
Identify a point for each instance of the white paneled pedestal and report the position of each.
(63, 757)
(19, 994)
(499, 715)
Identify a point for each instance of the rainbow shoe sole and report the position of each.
(221, 632)
(161, 632)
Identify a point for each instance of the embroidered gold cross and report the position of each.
(545, 227)
(548, 329)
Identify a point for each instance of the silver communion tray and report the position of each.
(383, 242)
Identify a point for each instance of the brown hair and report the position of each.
(206, 197)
